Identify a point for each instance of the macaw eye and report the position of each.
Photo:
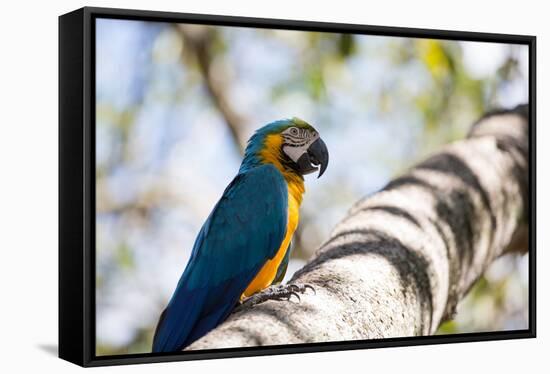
(294, 131)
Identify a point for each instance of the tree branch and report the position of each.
(198, 40)
(400, 261)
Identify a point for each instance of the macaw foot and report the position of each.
(279, 292)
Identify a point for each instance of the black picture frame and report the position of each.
(77, 187)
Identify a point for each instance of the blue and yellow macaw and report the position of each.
(243, 247)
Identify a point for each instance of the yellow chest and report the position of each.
(267, 274)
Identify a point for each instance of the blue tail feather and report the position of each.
(193, 313)
(177, 320)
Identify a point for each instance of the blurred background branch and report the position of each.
(200, 42)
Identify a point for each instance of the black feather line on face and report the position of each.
(296, 141)
(294, 145)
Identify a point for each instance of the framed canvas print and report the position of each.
(235, 186)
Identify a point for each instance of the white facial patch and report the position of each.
(297, 141)
(295, 152)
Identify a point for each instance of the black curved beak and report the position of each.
(316, 158)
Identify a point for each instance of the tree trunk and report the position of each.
(400, 261)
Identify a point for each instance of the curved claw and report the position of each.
(301, 288)
(306, 286)
(291, 293)
(293, 287)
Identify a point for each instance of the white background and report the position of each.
(28, 196)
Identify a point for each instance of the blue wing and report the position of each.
(244, 230)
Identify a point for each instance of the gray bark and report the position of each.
(401, 260)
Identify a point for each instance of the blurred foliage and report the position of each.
(165, 153)
(496, 302)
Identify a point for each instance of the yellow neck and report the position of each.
(295, 183)
(271, 153)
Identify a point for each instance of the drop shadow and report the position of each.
(51, 349)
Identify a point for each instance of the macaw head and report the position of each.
(292, 145)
